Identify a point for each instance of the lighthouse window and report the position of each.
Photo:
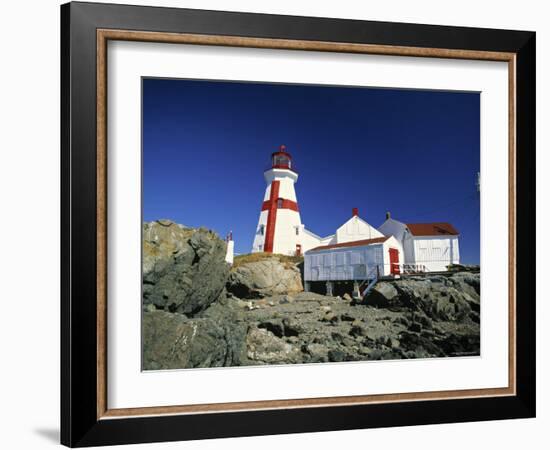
(262, 230)
(281, 160)
(297, 231)
(279, 203)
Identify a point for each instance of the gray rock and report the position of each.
(358, 330)
(336, 355)
(383, 295)
(184, 269)
(264, 347)
(274, 325)
(263, 278)
(317, 352)
(347, 317)
(463, 268)
(439, 297)
(173, 341)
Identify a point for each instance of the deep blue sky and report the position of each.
(414, 153)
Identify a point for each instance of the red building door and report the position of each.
(394, 261)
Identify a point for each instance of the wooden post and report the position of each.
(329, 288)
(356, 293)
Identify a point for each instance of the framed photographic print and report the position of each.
(276, 224)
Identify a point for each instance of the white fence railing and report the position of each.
(413, 268)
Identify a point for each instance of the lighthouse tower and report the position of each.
(279, 229)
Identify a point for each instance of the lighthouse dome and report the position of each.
(281, 159)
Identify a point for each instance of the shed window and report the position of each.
(356, 257)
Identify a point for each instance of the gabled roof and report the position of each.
(352, 243)
(432, 229)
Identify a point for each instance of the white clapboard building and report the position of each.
(427, 247)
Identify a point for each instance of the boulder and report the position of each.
(173, 341)
(418, 346)
(467, 282)
(463, 267)
(336, 355)
(317, 352)
(383, 294)
(184, 269)
(461, 345)
(263, 278)
(263, 347)
(358, 330)
(439, 297)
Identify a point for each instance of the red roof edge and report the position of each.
(352, 243)
(432, 229)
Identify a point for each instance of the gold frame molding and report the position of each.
(103, 36)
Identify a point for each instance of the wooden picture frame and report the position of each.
(85, 416)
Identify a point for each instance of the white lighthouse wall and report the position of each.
(286, 189)
(267, 194)
(281, 174)
(259, 238)
(436, 252)
(285, 237)
(356, 229)
(286, 184)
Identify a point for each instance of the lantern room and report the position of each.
(281, 159)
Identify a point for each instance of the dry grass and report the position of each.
(260, 256)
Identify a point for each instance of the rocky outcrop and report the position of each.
(173, 341)
(463, 268)
(199, 313)
(184, 269)
(266, 348)
(308, 328)
(267, 277)
(440, 297)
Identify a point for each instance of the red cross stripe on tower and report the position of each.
(271, 206)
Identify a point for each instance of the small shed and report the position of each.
(428, 247)
(433, 245)
(357, 261)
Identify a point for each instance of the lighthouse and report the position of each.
(280, 228)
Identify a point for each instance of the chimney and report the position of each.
(388, 215)
(355, 212)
